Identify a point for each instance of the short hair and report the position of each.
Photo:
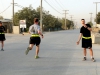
(0, 22)
(36, 20)
(82, 19)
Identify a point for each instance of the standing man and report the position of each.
(2, 35)
(85, 34)
(35, 39)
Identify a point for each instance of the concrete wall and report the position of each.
(16, 30)
(95, 38)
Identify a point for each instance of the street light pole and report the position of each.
(41, 17)
(91, 17)
(96, 11)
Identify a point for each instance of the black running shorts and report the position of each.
(35, 40)
(2, 37)
(86, 43)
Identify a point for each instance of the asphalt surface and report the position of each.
(59, 55)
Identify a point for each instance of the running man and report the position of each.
(2, 35)
(35, 39)
(23, 30)
(85, 34)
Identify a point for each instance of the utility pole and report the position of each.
(91, 17)
(41, 17)
(13, 14)
(65, 18)
(71, 19)
(74, 23)
(96, 11)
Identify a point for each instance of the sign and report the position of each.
(22, 23)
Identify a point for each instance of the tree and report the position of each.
(49, 21)
(27, 13)
(90, 23)
(97, 20)
(69, 24)
(1, 17)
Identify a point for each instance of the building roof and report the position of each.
(6, 20)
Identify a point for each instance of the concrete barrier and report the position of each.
(16, 30)
(95, 38)
(96, 29)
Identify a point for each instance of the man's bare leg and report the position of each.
(91, 54)
(2, 45)
(29, 48)
(37, 51)
(84, 52)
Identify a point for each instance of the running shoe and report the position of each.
(2, 49)
(93, 60)
(28, 49)
(84, 58)
(36, 57)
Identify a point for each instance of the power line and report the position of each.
(52, 7)
(59, 4)
(5, 9)
(54, 4)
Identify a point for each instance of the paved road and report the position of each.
(59, 56)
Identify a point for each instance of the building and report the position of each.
(7, 23)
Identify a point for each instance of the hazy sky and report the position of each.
(78, 8)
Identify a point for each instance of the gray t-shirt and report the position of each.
(34, 29)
